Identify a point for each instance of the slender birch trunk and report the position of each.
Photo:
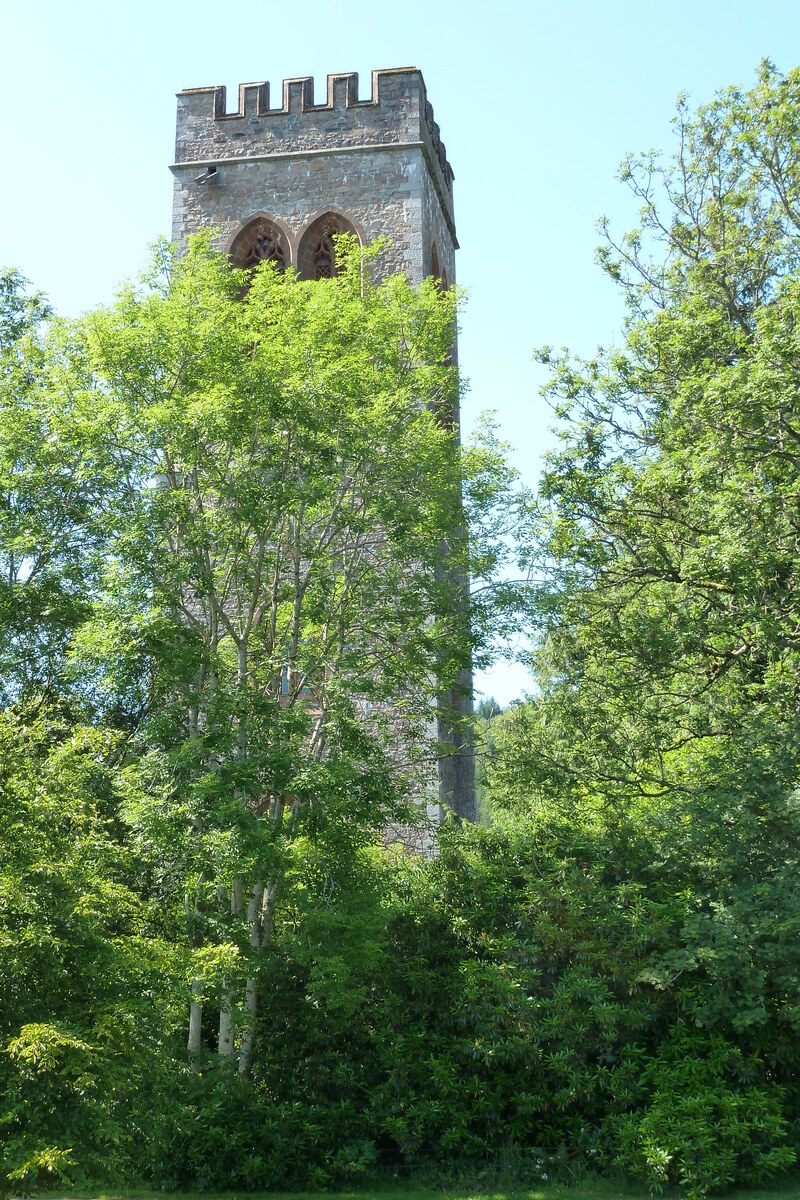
(226, 1030)
(194, 1040)
(251, 995)
(193, 1043)
(226, 1047)
(261, 917)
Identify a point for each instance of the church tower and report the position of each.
(278, 180)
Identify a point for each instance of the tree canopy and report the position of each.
(236, 522)
(665, 549)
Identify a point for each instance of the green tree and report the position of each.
(287, 475)
(87, 970)
(46, 497)
(669, 514)
(667, 608)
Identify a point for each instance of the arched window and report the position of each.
(437, 270)
(260, 241)
(316, 257)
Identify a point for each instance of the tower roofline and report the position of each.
(397, 110)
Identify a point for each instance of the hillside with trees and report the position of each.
(224, 502)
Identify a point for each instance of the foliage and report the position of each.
(199, 765)
(85, 972)
(666, 550)
(279, 616)
(500, 996)
(490, 717)
(668, 518)
(46, 497)
(269, 554)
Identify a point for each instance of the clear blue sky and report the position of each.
(538, 103)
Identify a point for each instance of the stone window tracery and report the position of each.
(317, 255)
(323, 255)
(260, 241)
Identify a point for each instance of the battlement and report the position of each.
(397, 113)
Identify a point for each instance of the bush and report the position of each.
(702, 1127)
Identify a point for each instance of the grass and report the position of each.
(788, 1190)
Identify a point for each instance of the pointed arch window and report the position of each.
(317, 255)
(260, 241)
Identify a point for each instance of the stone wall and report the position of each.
(380, 161)
(380, 192)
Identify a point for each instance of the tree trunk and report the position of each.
(251, 995)
(241, 733)
(193, 1043)
(226, 1045)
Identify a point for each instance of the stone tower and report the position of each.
(278, 180)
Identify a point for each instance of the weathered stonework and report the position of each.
(380, 162)
(268, 180)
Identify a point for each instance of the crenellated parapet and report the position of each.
(397, 114)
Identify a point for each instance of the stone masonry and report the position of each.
(275, 181)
